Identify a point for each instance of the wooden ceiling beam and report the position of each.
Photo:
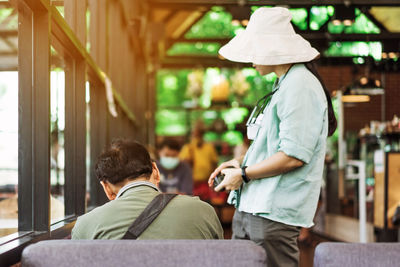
(309, 36)
(8, 33)
(180, 62)
(190, 4)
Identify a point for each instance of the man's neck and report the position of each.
(126, 182)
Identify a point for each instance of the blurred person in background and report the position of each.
(203, 159)
(175, 175)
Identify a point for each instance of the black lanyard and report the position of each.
(265, 100)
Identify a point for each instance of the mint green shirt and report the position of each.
(295, 122)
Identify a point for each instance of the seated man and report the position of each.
(176, 175)
(130, 180)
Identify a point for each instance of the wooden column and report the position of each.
(75, 115)
(34, 118)
(99, 135)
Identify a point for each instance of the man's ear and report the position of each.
(156, 174)
(108, 190)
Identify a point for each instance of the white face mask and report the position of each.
(252, 131)
(253, 128)
(169, 163)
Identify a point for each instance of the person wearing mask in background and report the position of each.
(203, 159)
(176, 175)
(276, 187)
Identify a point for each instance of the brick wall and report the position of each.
(357, 115)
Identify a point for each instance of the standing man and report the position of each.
(176, 175)
(275, 188)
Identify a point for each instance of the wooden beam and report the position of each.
(25, 118)
(10, 44)
(179, 62)
(320, 36)
(75, 115)
(75, 15)
(8, 33)
(190, 4)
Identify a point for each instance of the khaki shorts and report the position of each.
(279, 240)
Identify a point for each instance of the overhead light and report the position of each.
(240, 15)
(366, 86)
(235, 22)
(344, 15)
(347, 22)
(355, 98)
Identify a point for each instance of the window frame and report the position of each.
(40, 25)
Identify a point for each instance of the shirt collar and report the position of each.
(278, 81)
(135, 184)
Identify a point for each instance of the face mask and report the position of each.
(169, 163)
(252, 131)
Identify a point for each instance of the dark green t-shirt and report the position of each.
(184, 217)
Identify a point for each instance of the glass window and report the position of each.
(9, 119)
(88, 166)
(57, 153)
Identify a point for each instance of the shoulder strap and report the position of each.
(148, 215)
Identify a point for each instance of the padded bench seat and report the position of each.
(191, 253)
(331, 254)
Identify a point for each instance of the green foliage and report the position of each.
(215, 24)
(350, 49)
(361, 25)
(171, 92)
(319, 16)
(171, 122)
(233, 138)
(171, 87)
(234, 116)
(299, 17)
(198, 48)
(4, 14)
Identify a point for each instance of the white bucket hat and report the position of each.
(269, 39)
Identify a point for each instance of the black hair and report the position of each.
(171, 144)
(332, 122)
(123, 159)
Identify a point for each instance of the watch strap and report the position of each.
(244, 175)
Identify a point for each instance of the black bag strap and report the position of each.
(148, 215)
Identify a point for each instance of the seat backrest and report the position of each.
(166, 253)
(356, 254)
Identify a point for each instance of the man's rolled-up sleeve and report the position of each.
(300, 114)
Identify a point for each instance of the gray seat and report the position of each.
(357, 254)
(166, 253)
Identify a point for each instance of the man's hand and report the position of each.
(232, 180)
(231, 163)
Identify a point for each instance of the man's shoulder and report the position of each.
(86, 223)
(191, 202)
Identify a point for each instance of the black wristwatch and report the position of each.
(244, 175)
